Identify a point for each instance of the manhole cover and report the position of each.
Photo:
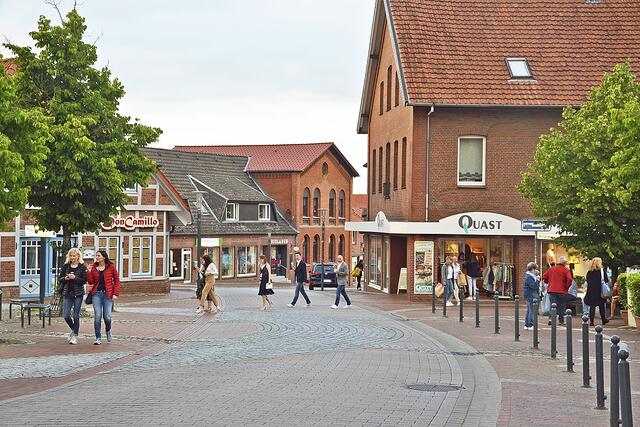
(435, 388)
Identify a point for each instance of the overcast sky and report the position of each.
(227, 71)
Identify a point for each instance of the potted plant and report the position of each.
(633, 297)
(622, 297)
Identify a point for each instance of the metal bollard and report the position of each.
(554, 330)
(600, 397)
(586, 376)
(477, 309)
(614, 388)
(461, 295)
(433, 297)
(625, 389)
(535, 324)
(496, 315)
(517, 318)
(569, 321)
(444, 301)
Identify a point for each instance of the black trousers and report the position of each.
(603, 312)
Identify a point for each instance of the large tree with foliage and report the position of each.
(586, 175)
(23, 137)
(94, 152)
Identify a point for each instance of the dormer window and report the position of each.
(232, 212)
(264, 212)
(519, 68)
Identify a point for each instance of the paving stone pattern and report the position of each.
(54, 366)
(301, 366)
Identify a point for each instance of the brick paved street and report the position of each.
(301, 366)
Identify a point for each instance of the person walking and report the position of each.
(558, 279)
(342, 273)
(358, 273)
(596, 276)
(301, 278)
(531, 292)
(73, 276)
(473, 272)
(266, 288)
(447, 276)
(209, 271)
(105, 288)
(459, 279)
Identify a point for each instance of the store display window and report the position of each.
(375, 261)
(226, 262)
(247, 260)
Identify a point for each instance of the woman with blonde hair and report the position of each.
(595, 278)
(73, 276)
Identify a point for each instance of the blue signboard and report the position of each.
(534, 225)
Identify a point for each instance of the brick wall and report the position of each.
(7, 271)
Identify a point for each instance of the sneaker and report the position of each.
(308, 305)
(347, 306)
(470, 298)
(199, 310)
(290, 305)
(334, 306)
(449, 304)
(73, 340)
(70, 337)
(98, 341)
(109, 336)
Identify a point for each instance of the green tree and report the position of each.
(95, 151)
(585, 178)
(23, 137)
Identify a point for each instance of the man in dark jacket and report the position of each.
(558, 279)
(301, 277)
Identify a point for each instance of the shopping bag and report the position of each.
(606, 290)
(546, 304)
(439, 291)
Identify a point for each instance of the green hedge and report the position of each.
(622, 291)
(633, 285)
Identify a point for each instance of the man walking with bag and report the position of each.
(301, 278)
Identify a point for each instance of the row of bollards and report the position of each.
(620, 384)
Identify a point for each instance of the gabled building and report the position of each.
(305, 180)
(455, 97)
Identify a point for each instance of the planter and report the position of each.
(625, 316)
(637, 320)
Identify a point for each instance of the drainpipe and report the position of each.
(427, 171)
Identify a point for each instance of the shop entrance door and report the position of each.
(29, 274)
(186, 265)
(279, 260)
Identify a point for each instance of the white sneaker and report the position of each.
(98, 341)
(290, 305)
(347, 306)
(199, 310)
(70, 337)
(334, 306)
(470, 298)
(449, 304)
(73, 340)
(308, 305)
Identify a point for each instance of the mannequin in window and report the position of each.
(551, 256)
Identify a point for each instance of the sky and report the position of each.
(227, 71)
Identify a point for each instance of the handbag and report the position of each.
(546, 304)
(269, 285)
(355, 272)
(439, 290)
(89, 298)
(200, 287)
(605, 291)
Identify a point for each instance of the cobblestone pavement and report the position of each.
(301, 366)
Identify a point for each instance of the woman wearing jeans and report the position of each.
(531, 292)
(73, 276)
(105, 288)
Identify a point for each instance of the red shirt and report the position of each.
(111, 280)
(558, 279)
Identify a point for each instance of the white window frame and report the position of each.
(151, 257)
(527, 76)
(255, 261)
(484, 163)
(236, 212)
(29, 270)
(111, 245)
(268, 207)
(131, 190)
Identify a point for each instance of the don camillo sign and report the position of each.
(130, 222)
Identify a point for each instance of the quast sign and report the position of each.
(130, 222)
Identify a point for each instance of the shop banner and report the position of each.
(423, 267)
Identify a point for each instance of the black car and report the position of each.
(330, 278)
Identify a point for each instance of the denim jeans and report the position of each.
(450, 289)
(528, 318)
(102, 307)
(341, 290)
(76, 302)
(300, 290)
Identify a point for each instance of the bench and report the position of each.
(41, 307)
(21, 302)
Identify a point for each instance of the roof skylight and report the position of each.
(519, 68)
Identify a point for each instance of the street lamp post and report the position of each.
(199, 194)
(323, 212)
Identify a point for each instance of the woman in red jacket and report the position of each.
(105, 288)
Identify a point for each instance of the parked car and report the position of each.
(330, 278)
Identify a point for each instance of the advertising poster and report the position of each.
(423, 267)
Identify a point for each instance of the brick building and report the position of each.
(358, 214)
(303, 179)
(456, 95)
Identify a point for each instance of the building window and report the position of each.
(404, 162)
(341, 245)
(111, 245)
(131, 190)
(375, 261)
(232, 212)
(354, 237)
(325, 168)
(372, 168)
(332, 248)
(397, 92)
(341, 206)
(381, 97)
(246, 260)
(387, 170)
(395, 165)
(471, 160)
(141, 255)
(305, 248)
(519, 68)
(332, 206)
(305, 206)
(316, 247)
(226, 262)
(316, 206)
(175, 263)
(30, 251)
(389, 85)
(380, 170)
(264, 212)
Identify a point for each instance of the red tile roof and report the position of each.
(9, 66)
(274, 157)
(454, 51)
